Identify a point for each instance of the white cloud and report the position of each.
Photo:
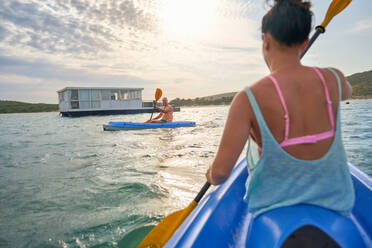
(363, 25)
(53, 44)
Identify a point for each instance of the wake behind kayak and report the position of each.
(120, 125)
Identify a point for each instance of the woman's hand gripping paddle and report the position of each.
(158, 94)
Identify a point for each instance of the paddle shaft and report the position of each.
(153, 111)
(158, 94)
(313, 38)
(335, 8)
(202, 192)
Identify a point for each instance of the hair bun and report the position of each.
(288, 21)
(303, 4)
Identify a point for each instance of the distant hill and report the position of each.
(220, 99)
(362, 84)
(219, 96)
(23, 107)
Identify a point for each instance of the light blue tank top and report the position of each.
(277, 179)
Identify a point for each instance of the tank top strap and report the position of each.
(338, 116)
(265, 131)
(328, 99)
(338, 83)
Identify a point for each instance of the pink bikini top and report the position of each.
(308, 138)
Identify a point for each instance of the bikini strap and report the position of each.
(286, 115)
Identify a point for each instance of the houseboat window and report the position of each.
(61, 96)
(74, 95)
(138, 94)
(96, 99)
(84, 95)
(106, 94)
(96, 104)
(114, 96)
(84, 104)
(147, 104)
(74, 104)
(120, 95)
(96, 95)
(74, 99)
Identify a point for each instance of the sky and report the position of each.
(188, 48)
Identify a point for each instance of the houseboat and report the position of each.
(84, 101)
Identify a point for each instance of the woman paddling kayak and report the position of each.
(293, 116)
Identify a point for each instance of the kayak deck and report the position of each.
(120, 125)
(222, 219)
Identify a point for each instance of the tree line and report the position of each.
(7, 107)
(362, 84)
(201, 101)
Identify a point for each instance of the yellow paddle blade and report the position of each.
(162, 232)
(336, 7)
(158, 94)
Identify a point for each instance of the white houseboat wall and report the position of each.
(83, 101)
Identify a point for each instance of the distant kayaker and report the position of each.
(166, 113)
(293, 117)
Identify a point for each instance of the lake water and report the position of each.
(64, 182)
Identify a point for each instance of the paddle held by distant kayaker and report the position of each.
(166, 113)
(295, 153)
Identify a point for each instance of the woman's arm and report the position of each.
(234, 137)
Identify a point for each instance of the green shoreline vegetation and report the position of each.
(361, 83)
(201, 101)
(8, 107)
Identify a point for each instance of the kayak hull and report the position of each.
(222, 219)
(120, 125)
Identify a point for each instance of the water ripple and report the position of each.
(64, 182)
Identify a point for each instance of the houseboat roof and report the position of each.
(98, 88)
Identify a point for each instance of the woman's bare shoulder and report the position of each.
(241, 100)
(257, 88)
(329, 73)
(261, 86)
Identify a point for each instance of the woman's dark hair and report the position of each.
(288, 21)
